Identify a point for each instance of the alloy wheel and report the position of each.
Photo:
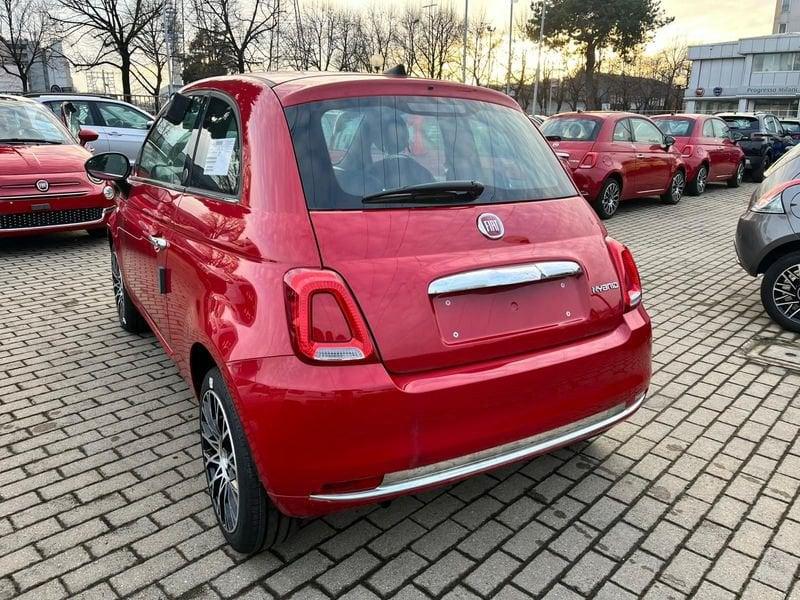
(702, 180)
(610, 198)
(219, 459)
(119, 289)
(786, 292)
(678, 183)
(740, 173)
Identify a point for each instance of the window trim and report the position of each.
(195, 191)
(627, 125)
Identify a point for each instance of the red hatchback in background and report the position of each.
(375, 285)
(708, 150)
(617, 156)
(43, 184)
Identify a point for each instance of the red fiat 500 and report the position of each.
(43, 185)
(617, 156)
(375, 285)
(708, 149)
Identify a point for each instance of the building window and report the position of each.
(786, 5)
(782, 28)
(770, 63)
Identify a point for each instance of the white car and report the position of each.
(121, 126)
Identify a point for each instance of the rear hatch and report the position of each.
(446, 279)
(752, 142)
(572, 136)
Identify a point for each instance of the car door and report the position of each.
(774, 132)
(207, 248)
(623, 154)
(714, 149)
(731, 153)
(146, 215)
(653, 160)
(86, 117)
(124, 126)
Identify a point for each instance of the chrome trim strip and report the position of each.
(43, 196)
(402, 482)
(502, 276)
(78, 225)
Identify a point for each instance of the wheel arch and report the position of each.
(777, 253)
(201, 361)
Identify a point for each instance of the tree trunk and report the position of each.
(591, 92)
(23, 77)
(125, 62)
(240, 63)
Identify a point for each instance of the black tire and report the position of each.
(130, 319)
(736, 180)
(608, 198)
(757, 175)
(676, 187)
(255, 522)
(98, 233)
(698, 185)
(780, 291)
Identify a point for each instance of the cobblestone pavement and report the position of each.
(101, 491)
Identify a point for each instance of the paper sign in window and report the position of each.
(218, 157)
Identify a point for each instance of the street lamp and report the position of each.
(539, 56)
(510, 39)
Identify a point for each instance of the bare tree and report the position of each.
(150, 63)
(115, 26)
(24, 25)
(430, 39)
(482, 45)
(380, 31)
(243, 25)
(313, 39)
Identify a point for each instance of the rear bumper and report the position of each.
(326, 438)
(589, 181)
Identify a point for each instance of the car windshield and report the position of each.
(675, 127)
(791, 126)
(742, 123)
(572, 129)
(352, 149)
(29, 123)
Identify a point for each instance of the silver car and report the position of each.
(768, 240)
(121, 126)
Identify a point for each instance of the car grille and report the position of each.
(50, 218)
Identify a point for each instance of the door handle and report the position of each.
(159, 243)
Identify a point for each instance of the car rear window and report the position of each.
(351, 148)
(572, 129)
(675, 127)
(742, 123)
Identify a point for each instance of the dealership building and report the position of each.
(751, 74)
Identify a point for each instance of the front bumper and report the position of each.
(758, 234)
(325, 438)
(18, 218)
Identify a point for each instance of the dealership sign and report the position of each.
(791, 90)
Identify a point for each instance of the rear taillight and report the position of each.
(589, 160)
(628, 273)
(325, 323)
(687, 151)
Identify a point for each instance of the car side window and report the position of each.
(721, 130)
(169, 145)
(119, 115)
(644, 132)
(708, 129)
(217, 161)
(771, 125)
(622, 131)
(83, 112)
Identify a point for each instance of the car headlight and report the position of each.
(109, 192)
(768, 204)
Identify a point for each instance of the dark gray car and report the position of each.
(768, 240)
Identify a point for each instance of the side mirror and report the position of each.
(178, 106)
(669, 141)
(86, 135)
(109, 166)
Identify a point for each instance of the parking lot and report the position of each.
(101, 490)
